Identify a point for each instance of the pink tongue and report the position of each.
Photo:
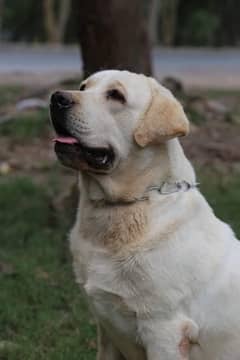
(65, 140)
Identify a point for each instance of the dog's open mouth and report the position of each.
(73, 153)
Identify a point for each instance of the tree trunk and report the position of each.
(55, 25)
(168, 21)
(113, 34)
(1, 17)
(64, 12)
(153, 21)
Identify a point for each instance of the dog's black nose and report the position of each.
(61, 100)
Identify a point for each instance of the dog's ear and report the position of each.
(163, 120)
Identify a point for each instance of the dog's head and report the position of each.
(111, 116)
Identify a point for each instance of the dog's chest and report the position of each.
(112, 298)
(128, 288)
(111, 286)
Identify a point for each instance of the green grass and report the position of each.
(42, 313)
(8, 94)
(26, 126)
(195, 117)
(223, 194)
(219, 93)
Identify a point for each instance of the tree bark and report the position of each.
(168, 21)
(1, 17)
(114, 34)
(55, 25)
(64, 12)
(153, 21)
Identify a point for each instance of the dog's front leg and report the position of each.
(169, 340)
(106, 349)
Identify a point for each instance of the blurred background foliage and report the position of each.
(178, 22)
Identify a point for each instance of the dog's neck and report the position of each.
(170, 166)
(124, 226)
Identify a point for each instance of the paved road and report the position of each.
(195, 67)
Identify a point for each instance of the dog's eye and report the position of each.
(82, 87)
(115, 94)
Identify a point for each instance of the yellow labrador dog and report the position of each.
(161, 273)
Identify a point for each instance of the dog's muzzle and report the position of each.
(70, 148)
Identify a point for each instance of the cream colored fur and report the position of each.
(163, 120)
(162, 276)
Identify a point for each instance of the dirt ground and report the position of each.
(214, 143)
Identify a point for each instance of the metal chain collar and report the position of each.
(167, 188)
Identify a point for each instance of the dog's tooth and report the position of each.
(104, 160)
